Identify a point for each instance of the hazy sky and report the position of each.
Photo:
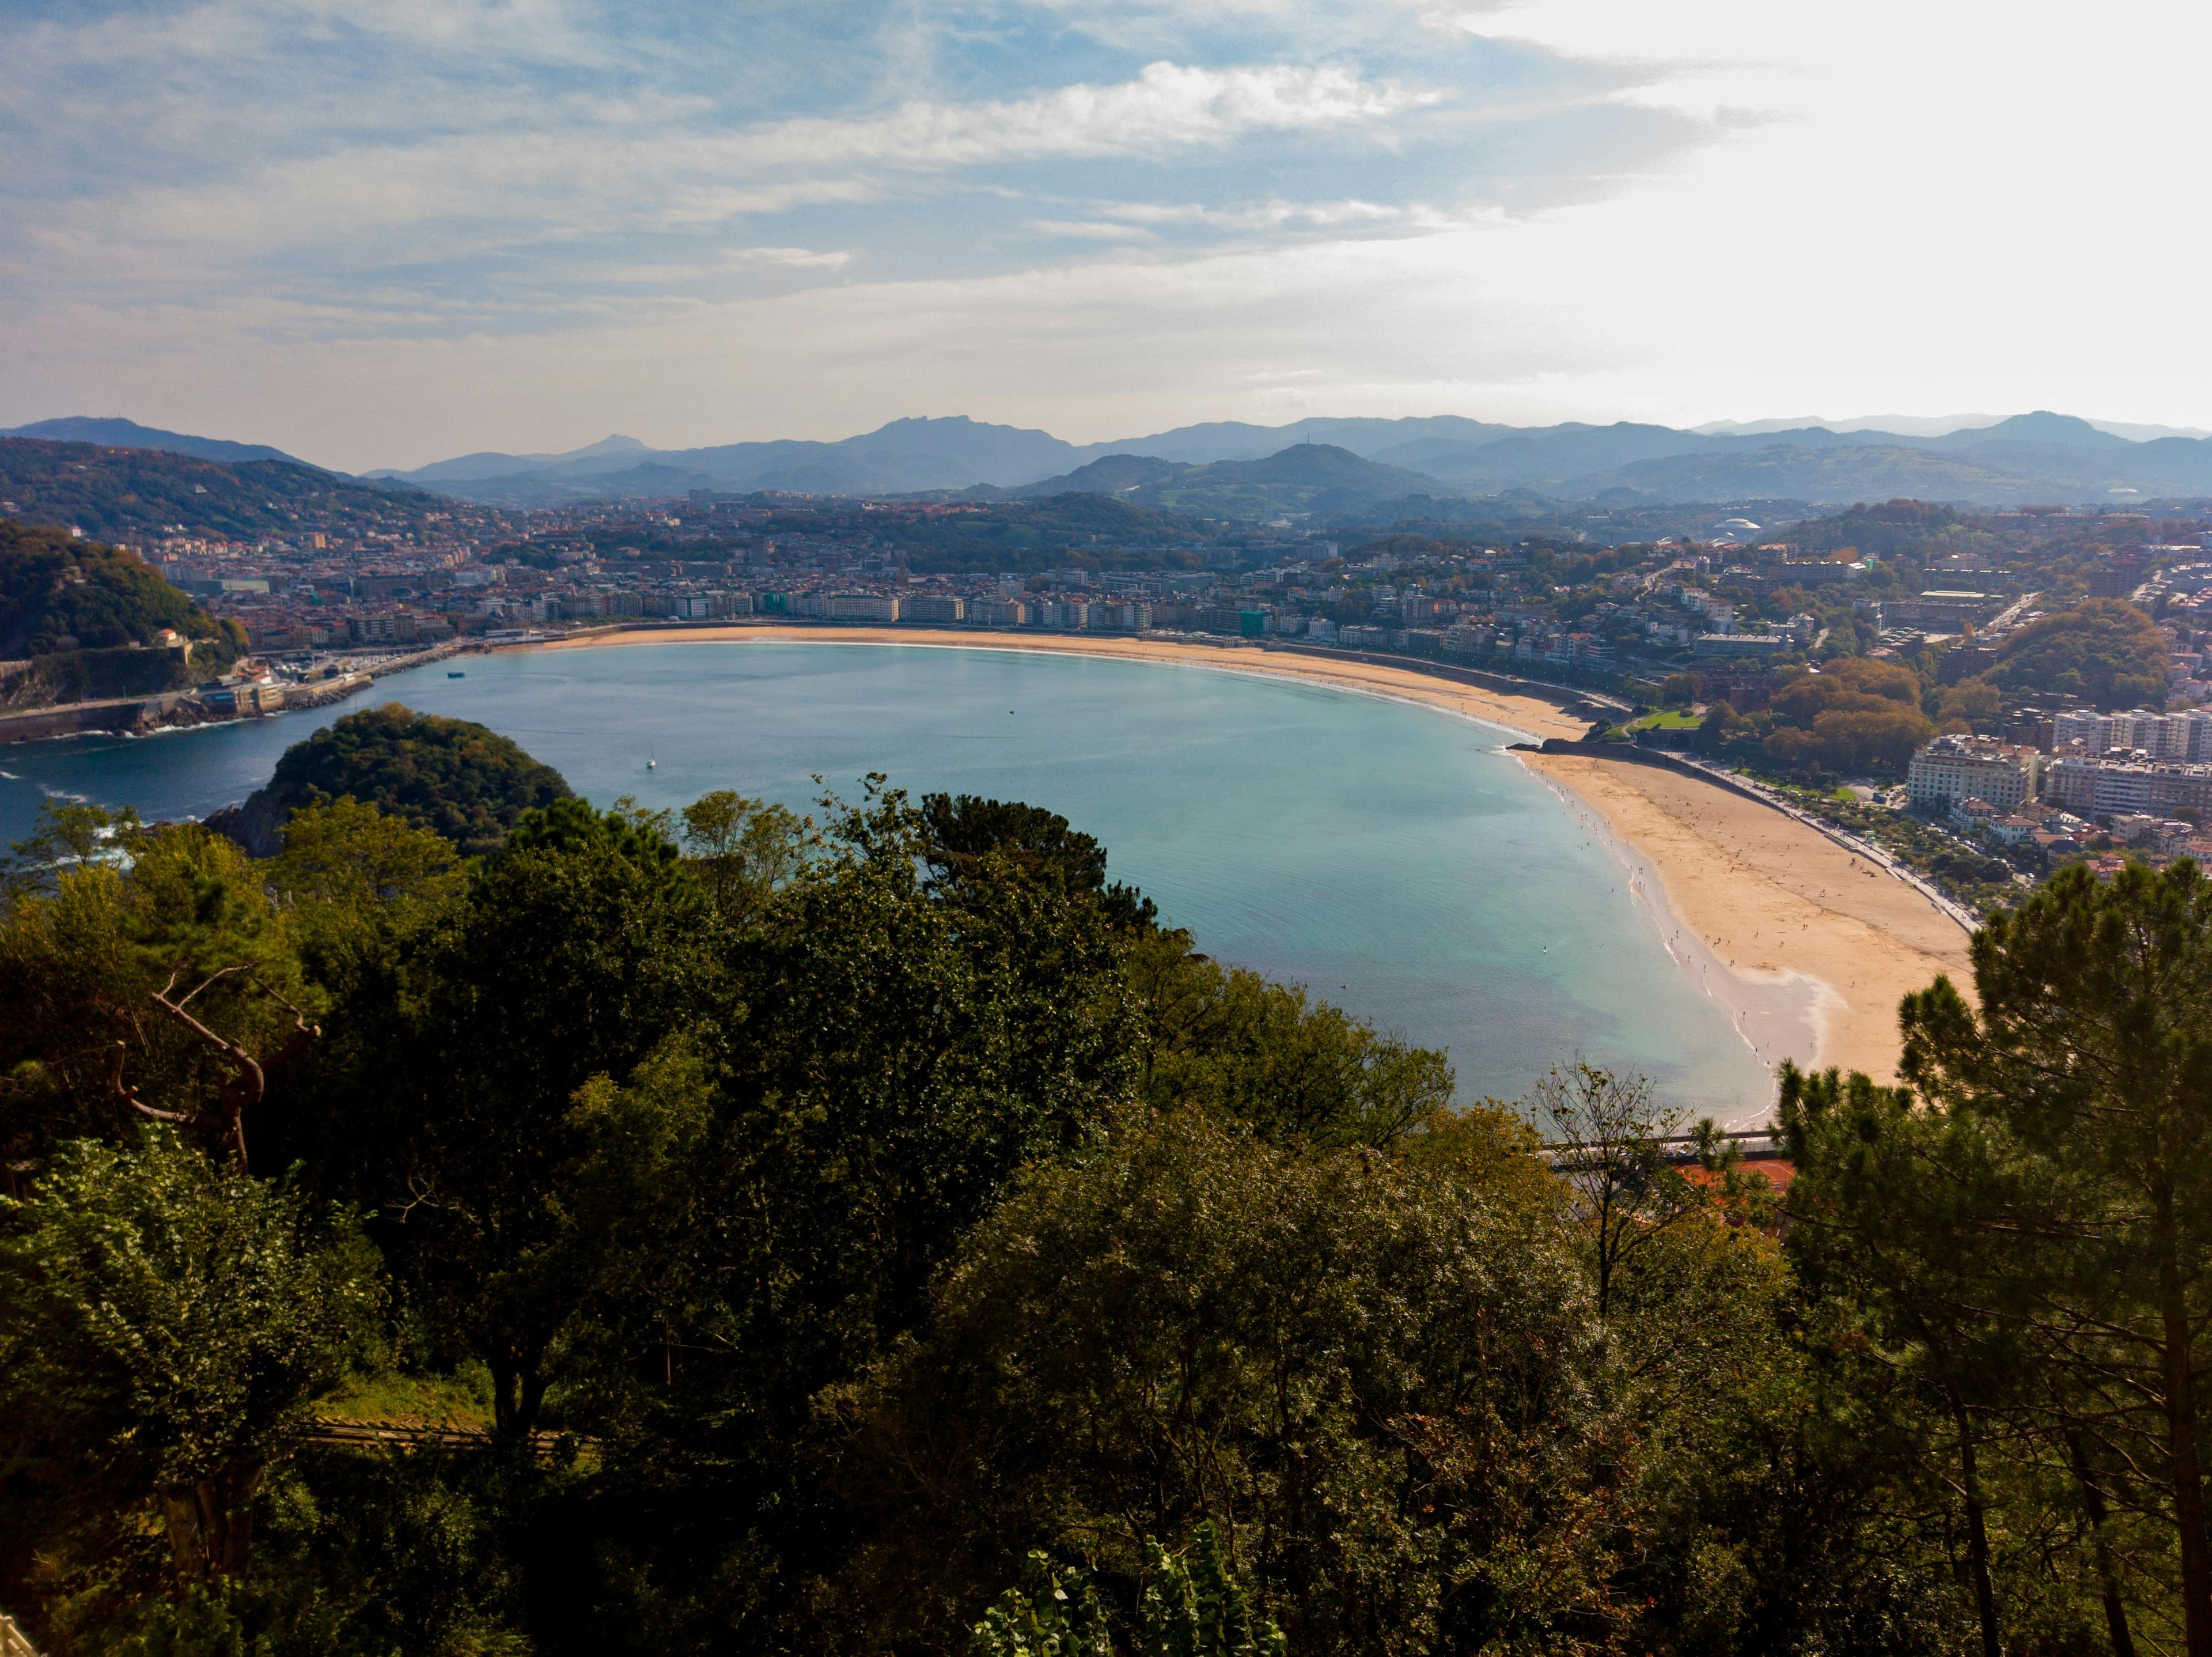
(382, 234)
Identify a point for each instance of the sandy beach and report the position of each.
(1807, 946)
(1780, 907)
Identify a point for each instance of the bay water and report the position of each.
(1392, 858)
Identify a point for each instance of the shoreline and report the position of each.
(1777, 1015)
(1807, 945)
(1531, 717)
(1777, 909)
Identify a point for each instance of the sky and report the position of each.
(377, 235)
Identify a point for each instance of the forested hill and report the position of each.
(461, 781)
(59, 595)
(112, 492)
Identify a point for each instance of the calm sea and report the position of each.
(1391, 857)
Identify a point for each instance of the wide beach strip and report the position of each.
(1771, 896)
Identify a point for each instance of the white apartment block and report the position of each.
(2183, 736)
(2109, 788)
(1951, 769)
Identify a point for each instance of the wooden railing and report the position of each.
(404, 1436)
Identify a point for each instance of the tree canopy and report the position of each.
(1853, 714)
(59, 594)
(873, 1233)
(2104, 650)
(456, 778)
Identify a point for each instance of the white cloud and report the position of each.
(1274, 215)
(1167, 105)
(794, 257)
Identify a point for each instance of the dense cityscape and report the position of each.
(1695, 637)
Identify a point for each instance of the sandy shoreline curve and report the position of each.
(1775, 900)
(1806, 946)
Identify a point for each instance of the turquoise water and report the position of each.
(1392, 858)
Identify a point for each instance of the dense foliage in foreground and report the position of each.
(883, 1236)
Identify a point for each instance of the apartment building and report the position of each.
(1119, 617)
(860, 606)
(2111, 788)
(2183, 736)
(1953, 769)
(931, 607)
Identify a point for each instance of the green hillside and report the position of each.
(59, 594)
(1922, 530)
(457, 779)
(112, 492)
(2102, 649)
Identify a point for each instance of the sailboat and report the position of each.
(652, 759)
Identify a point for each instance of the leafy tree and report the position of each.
(1227, 1040)
(1375, 1382)
(1854, 715)
(1611, 1148)
(1721, 722)
(1894, 1231)
(2091, 1053)
(356, 885)
(578, 948)
(743, 848)
(964, 837)
(163, 1325)
(349, 856)
(1192, 1606)
(1971, 705)
(68, 833)
(1055, 1613)
(165, 985)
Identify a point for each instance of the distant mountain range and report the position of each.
(118, 433)
(2029, 457)
(1316, 465)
